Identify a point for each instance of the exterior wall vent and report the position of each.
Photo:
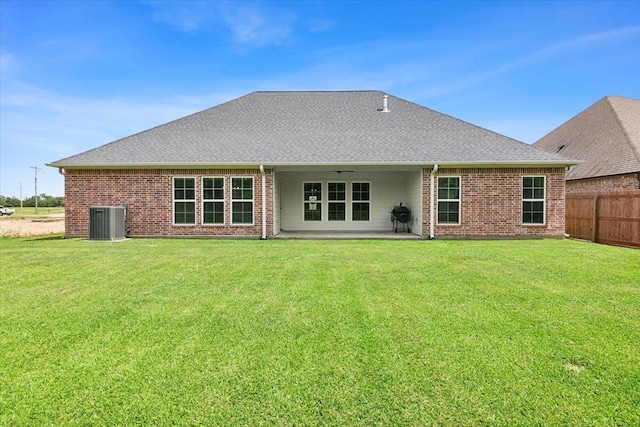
(107, 222)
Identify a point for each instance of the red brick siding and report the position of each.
(426, 206)
(149, 195)
(602, 185)
(491, 203)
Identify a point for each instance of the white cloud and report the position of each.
(252, 24)
(320, 25)
(564, 47)
(586, 41)
(189, 16)
(249, 23)
(8, 64)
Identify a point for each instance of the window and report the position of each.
(448, 200)
(212, 200)
(184, 200)
(312, 201)
(533, 199)
(337, 195)
(242, 200)
(360, 201)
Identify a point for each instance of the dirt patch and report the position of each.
(10, 227)
(575, 366)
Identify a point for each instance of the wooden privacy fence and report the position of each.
(613, 219)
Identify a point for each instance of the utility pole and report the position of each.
(35, 180)
(21, 196)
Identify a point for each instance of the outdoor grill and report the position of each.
(401, 215)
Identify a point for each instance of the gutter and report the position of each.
(241, 165)
(431, 200)
(264, 203)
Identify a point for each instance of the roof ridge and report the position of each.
(634, 150)
(318, 91)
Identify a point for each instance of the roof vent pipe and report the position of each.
(385, 108)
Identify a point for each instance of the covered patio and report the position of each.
(348, 200)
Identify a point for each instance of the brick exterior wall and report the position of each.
(491, 203)
(149, 196)
(426, 211)
(603, 185)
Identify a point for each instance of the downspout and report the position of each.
(431, 200)
(61, 171)
(264, 203)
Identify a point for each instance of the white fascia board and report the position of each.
(511, 164)
(155, 165)
(450, 164)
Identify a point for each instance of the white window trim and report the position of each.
(252, 201)
(323, 217)
(224, 216)
(459, 200)
(351, 201)
(173, 204)
(348, 201)
(543, 200)
(345, 201)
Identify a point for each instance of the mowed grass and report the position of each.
(31, 213)
(214, 332)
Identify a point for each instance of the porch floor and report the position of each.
(347, 235)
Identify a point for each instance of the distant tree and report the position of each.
(29, 202)
(50, 201)
(44, 201)
(9, 201)
(59, 201)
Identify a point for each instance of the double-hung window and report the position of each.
(242, 200)
(184, 201)
(213, 200)
(313, 201)
(449, 200)
(360, 201)
(533, 196)
(337, 195)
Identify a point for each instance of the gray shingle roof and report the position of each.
(606, 136)
(307, 128)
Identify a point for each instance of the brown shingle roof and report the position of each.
(606, 136)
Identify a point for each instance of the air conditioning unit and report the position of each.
(107, 222)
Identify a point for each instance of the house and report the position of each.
(268, 163)
(603, 192)
(606, 136)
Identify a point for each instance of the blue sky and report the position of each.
(79, 74)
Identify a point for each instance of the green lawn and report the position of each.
(31, 213)
(215, 332)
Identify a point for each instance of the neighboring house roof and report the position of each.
(313, 128)
(606, 136)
